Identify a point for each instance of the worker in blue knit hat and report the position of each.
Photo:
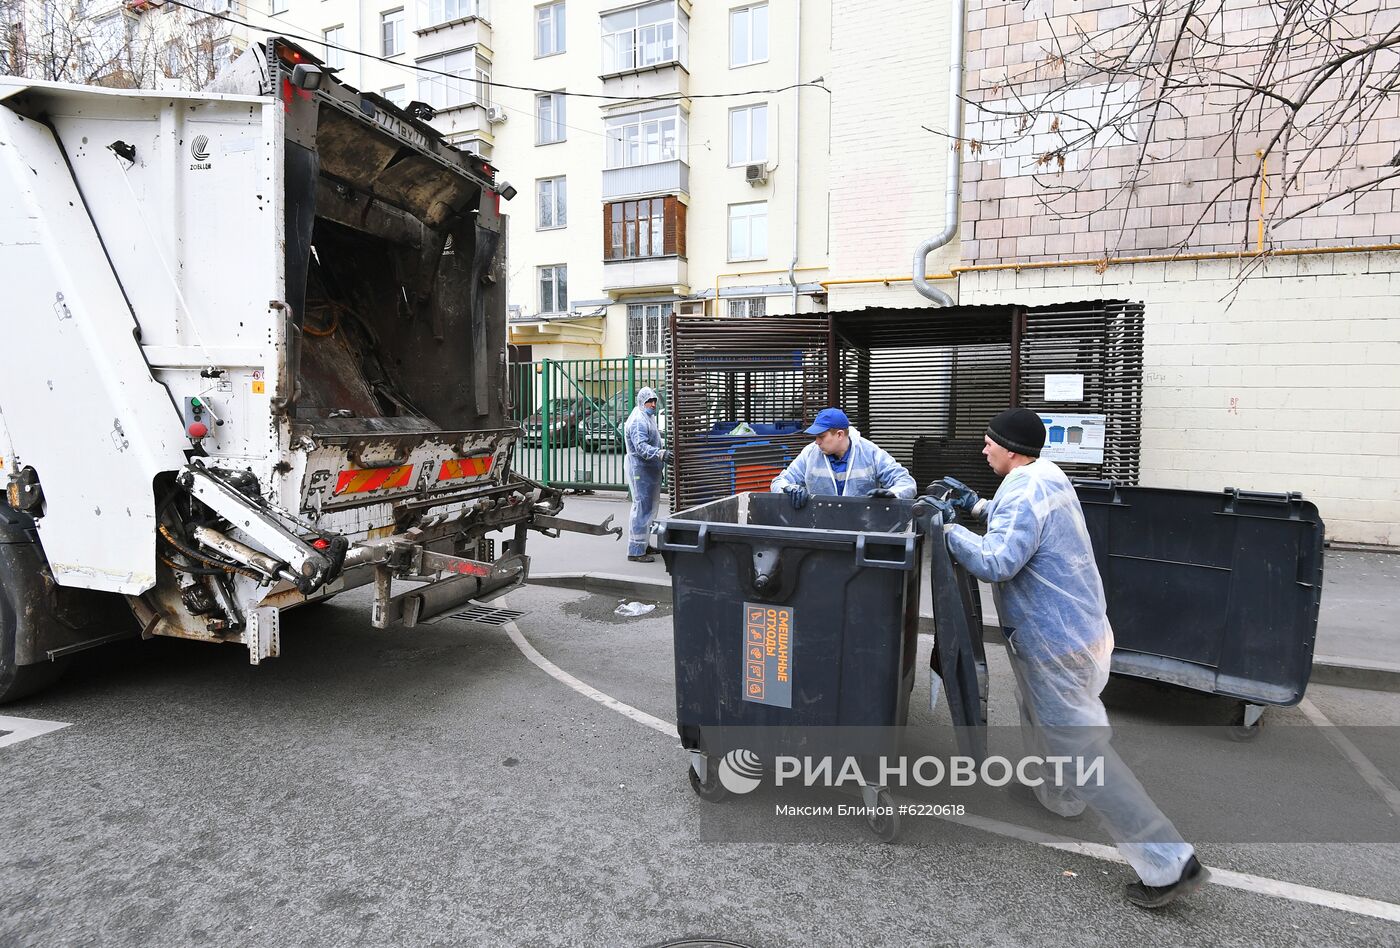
(842, 463)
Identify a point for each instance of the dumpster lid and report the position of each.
(1216, 591)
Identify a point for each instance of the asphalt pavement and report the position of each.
(436, 786)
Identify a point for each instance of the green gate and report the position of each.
(572, 412)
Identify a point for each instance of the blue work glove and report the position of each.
(943, 510)
(880, 492)
(796, 495)
(962, 496)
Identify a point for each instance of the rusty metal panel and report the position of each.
(770, 373)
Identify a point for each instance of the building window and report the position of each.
(748, 35)
(277, 6)
(391, 31)
(645, 138)
(649, 35)
(748, 231)
(646, 328)
(637, 229)
(554, 289)
(549, 29)
(549, 118)
(748, 307)
(466, 84)
(748, 135)
(552, 198)
(335, 36)
(397, 95)
(436, 12)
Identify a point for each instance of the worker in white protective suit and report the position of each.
(1050, 599)
(644, 466)
(840, 462)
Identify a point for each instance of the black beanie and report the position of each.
(1019, 430)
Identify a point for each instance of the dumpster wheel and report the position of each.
(710, 790)
(885, 824)
(1248, 722)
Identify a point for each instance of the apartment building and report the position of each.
(669, 156)
(123, 43)
(736, 159)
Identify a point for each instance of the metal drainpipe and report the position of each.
(953, 196)
(796, 155)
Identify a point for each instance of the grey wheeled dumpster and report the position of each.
(809, 618)
(1215, 591)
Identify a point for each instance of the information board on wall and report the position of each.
(1074, 439)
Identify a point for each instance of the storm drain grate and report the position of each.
(485, 615)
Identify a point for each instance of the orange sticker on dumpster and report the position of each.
(769, 633)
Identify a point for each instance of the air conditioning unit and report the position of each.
(496, 115)
(756, 174)
(692, 308)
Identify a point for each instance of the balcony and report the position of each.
(646, 273)
(664, 177)
(646, 50)
(446, 25)
(666, 81)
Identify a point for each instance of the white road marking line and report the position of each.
(22, 729)
(1368, 771)
(1260, 885)
(588, 691)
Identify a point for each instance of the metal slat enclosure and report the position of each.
(772, 374)
(927, 384)
(920, 383)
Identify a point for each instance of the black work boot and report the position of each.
(644, 558)
(1193, 876)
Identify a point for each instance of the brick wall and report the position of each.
(1286, 381)
(1126, 197)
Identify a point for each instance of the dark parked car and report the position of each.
(601, 428)
(564, 417)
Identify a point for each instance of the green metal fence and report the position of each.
(572, 412)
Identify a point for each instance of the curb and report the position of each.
(1326, 670)
(1355, 673)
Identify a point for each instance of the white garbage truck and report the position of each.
(255, 356)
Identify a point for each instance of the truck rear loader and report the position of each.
(255, 355)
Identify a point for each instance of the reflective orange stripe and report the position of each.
(465, 467)
(357, 482)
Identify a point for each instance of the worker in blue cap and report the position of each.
(842, 463)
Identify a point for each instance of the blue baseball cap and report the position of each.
(827, 419)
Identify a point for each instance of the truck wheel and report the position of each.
(20, 681)
(24, 601)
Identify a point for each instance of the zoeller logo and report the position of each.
(740, 771)
(199, 151)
